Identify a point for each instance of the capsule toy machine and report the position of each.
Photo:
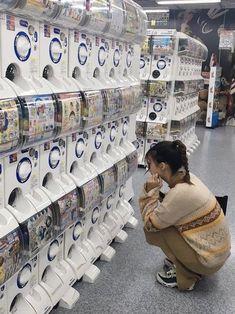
(115, 32)
(109, 217)
(155, 133)
(112, 101)
(20, 69)
(55, 273)
(99, 232)
(80, 250)
(20, 62)
(56, 276)
(92, 115)
(123, 136)
(31, 208)
(80, 50)
(140, 37)
(162, 47)
(145, 59)
(98, 23)
(140, 147)
(142, 113)
(122, 208)
(129, 54)
(158, 111)
(12, 256)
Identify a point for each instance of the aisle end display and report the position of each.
(170, 72)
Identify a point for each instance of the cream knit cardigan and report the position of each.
(194, 211)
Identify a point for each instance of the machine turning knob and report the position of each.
(142, 63)
(77, 231)
(24, 276)
(112, 134)
(102, 56)
(22, 46)
(80, 147)
(24, 170)
(95, 215)
(53, 250)
(82, 54)
(125, 128)
(98, 140)
(54, 157)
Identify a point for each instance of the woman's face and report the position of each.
(153, 166)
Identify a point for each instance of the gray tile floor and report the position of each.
(127, 284)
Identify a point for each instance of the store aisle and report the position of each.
(127, 284)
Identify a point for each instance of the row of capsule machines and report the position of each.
(170, 72)
(69, 87)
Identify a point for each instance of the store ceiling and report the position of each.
(151, 4)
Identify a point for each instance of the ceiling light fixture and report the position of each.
(157, 11)
(168, 2)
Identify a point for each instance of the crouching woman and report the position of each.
(187, 223)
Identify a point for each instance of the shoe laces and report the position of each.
(171, 272)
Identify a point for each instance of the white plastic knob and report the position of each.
(24, 169)
(53, 250)
(102, 55)
(80, 147)
(98, 138)
(56, 49)
(77, 231)
(113, 133)
(83, 53)
(125, 127)
(23, 46)
(24, 276)
(55, 156)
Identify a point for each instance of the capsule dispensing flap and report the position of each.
(10, 115)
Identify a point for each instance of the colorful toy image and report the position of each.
(90, 194)
(11, 255)
(112, 103)
(69, 113)
(92, 108)
(132, 161)
(67, 210)
(9, 124)
(38, 118)
(38, 231)
(122, 171)
(108, 182)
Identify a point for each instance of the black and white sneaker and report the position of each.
(167, 279)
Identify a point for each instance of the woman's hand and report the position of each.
(153, 182)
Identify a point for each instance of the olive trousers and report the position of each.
(188, 267)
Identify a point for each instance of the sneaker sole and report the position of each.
(163, 283)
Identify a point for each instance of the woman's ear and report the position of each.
(162, 166)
